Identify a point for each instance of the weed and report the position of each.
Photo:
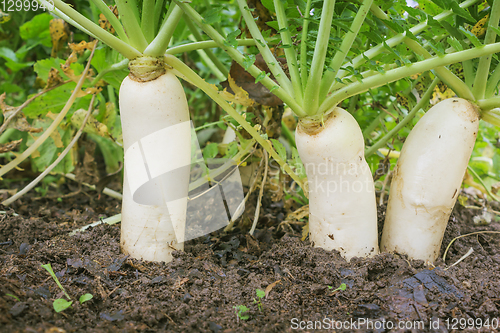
(342, 287)
(61, 304)
(260, 295)
(240, 310)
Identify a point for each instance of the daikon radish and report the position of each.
(427, 179)
(343, 212)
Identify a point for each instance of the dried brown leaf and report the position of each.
(6, 147)
(270, 287)
(256, 91)
(59, 33)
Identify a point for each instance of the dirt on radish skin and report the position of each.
(197, 291)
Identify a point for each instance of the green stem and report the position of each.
(290, 54)
(471, 170)
(273, 64)
(208, 44)
(158, 9)
(131, 24)
(450, 79)
(491, 116)
(361, 59)
(353, 103)
(303, 45)
(423, 101)
(66, 18)
(160, 44)
(312, 89)
(239, 58)
(483, 69)
(125, 49)
(367, 131)
(491, 86)
(210, 64)
(147, 20)
(489, 103)
(220, 66)
(115, 67)
(192, 77)
(288, 134)
(113, 20)
(346, 45)
(399, 73)
(469, 73)
(447, 76)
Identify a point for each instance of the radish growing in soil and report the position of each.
(328, 138)
(311, 92)
(155, 124)
(434, 157)
(427, 179)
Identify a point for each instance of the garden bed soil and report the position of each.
(199, 290)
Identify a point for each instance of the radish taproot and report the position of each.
(343, 212)
(427, 179)
(156, 139)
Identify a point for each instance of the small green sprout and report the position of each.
(240, 310)
(342, 287)
(260, 295)
(14, 296)
(61, 304)
(85, 298)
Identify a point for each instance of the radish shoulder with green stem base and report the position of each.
(343, 212)
(427, 179)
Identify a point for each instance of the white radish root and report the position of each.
(343, 211)
(427, 179)
(156, 139)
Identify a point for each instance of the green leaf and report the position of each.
(85, 298)
(43, 67)
(61, 304)
(445, 4)
(232, 149)
(248, 61)
(8, 54)
(280, 149)
(296, 163)
(269, 4)
(474, 40)
(54, 101)
(212, 16)
(231, 38)
(461, 12)
(211, 150)
(111, 152)
(260, 293)
(414, 12)
(16, 66)
(273, 24)
(37, 28)
(455, 44)
(240, 309)
(495, 29)
(261, 76)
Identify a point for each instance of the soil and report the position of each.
(199, 290)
